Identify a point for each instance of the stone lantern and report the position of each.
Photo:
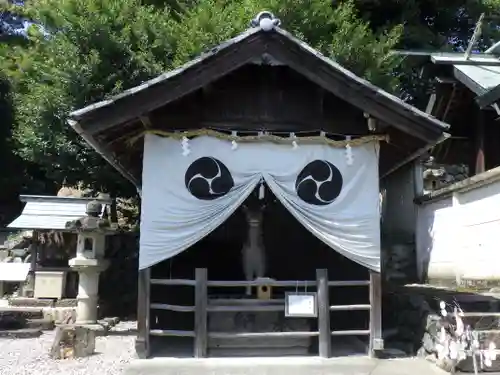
(89, 261)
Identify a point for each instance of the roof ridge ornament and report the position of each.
(266, 21)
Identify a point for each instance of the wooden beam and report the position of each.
(349, 307)
(354, 92)
(168, 123)
(142, 346)
(480, 166)
(200, 314)
(175, 87)
(171, 333)
(325, 339)
(446, 80)
(475, 36)
(430, 104)
(273, 283)
(478, 60)
(177, 308)
(449, 103)
(253, 335)
(355, 332)
(376, 340)
(488, 98)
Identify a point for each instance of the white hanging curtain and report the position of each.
(186, 195)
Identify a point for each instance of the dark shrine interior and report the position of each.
(292, 253)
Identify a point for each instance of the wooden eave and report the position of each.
(488, 98)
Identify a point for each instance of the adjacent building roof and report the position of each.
(480, 72)
(478, 78)
(458, 58)
(51, 213)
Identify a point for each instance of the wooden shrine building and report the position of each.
(251, 111)
(465, 93)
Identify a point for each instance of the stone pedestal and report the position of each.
(73, 342)
(88, 286)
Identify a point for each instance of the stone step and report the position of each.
(30, 302)
(43, 324)
(477, 321)
(22, 312)
(281, 366)
(66, 302)
(23, 333)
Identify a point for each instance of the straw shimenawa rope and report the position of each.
(265, 137)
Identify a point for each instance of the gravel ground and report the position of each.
(30, 356)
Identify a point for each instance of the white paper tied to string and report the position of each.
(459, 331)
(262, 190)
(295, 145)
(234, 144)
(185, 146)
(490, 354)
(348, 152)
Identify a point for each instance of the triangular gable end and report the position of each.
(282, 47)
(274, 46)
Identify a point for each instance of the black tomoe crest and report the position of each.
(208, 178)
(319, 183)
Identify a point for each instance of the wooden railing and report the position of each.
(201, 309)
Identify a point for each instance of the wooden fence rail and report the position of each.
(273, 283)
(248, 308)
(203, 306)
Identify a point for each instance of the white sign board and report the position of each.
(301, 305)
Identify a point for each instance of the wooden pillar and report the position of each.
(200, 314)
(376, 340)
(325, 332)
(480, 163)
(142, 346)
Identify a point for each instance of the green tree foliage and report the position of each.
(91, 49)
(431, 25)
(18, 176)
(87, 50)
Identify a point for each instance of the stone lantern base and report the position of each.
(88, 286)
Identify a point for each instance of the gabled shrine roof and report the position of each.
(479, 72)
(275, 46)
(52, 213)
(368, 90)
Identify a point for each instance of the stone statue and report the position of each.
(253, 252)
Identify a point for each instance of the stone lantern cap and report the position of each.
(94, 208)
(92, 222)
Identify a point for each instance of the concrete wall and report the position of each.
(433, 231)
(458, 231)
